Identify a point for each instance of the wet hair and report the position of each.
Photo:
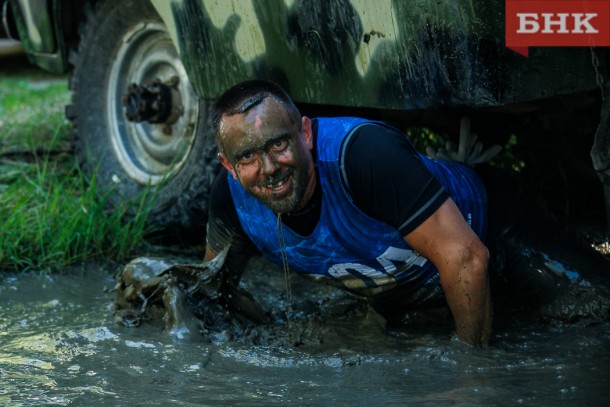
(244, 96)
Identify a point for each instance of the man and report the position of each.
(350, 202)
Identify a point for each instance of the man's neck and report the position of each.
(304, 220)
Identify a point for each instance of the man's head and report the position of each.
(265, 143)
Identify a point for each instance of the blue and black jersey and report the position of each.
(347, 246)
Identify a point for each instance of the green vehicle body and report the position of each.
(392, 54)
(424, 59)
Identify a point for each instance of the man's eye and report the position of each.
(279, 145)
(246, 158)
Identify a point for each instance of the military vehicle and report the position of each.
(144, 73)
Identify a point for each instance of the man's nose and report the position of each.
(269, 164)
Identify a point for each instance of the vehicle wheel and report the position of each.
(140, 131)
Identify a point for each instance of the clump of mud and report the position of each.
(578, 304)
(187, 300)
(182, 297)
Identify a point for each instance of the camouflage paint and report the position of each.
(396, 54)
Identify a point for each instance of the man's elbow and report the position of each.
(480, 257)
(475, 262)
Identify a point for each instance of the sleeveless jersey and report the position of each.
(349, 248)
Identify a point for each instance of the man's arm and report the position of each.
(223, 232)
(234, 266)
(224, 229)
(449, 243)
(226, 282)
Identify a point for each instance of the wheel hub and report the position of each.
(150, 98)
(155, 103)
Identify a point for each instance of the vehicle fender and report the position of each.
(40, 27)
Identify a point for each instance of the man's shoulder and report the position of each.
(221, 200)
(373, 140)
(221, 182)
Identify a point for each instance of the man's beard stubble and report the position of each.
(289, 203)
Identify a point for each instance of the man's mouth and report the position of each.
(278, 186)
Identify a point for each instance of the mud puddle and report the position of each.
(59, 345)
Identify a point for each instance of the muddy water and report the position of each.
(60, 346)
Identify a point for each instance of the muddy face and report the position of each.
(270, 155)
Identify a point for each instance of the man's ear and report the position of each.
(227, 164)
(306, 131)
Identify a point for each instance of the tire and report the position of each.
(124, 42)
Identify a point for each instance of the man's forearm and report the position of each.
(468, 296)
(474, 324)
(461, 258)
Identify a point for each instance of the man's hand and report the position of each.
(449, 243)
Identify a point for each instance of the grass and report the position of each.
(49, 219)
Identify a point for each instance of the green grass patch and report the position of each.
(49, 218)
(32, 109)
(50, 221)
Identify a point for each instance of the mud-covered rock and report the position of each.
(577, 303)
(183, 298)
